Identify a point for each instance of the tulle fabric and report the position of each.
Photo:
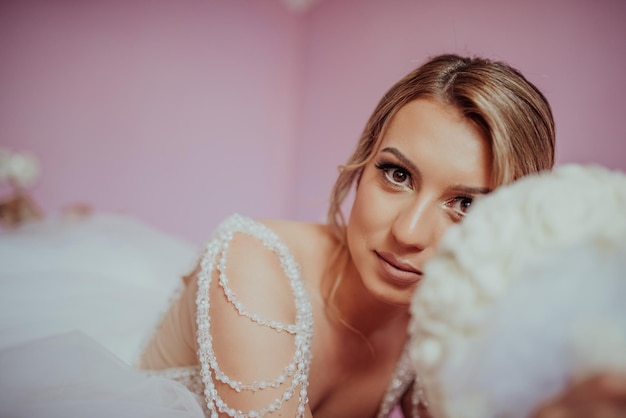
(70, 375)
(108, 276)
(79, 296)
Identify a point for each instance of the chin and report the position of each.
(390, 294)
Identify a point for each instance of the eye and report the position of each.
(396, 175)
(461, 204)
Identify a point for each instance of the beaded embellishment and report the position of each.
(295, 374)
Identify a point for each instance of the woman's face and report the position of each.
(431, 164)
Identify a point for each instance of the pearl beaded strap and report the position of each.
(298, 369)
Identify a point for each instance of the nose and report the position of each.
(417, 224)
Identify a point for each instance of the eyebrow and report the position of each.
(472, 190)
(404, 160)
(458, 187)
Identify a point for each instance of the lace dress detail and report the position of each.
(200, 379)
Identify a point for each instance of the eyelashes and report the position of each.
(460, 205)
(395, 174)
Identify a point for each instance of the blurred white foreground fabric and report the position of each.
(72, 376)
(108, 276)
(79, 296)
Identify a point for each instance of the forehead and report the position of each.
(436, 135)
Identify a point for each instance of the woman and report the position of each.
(296, 319)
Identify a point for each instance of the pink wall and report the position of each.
(177, 112)
(573, 50)
(181, 112)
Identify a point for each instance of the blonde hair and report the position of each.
(513, 114)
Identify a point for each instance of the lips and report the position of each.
(397, 270)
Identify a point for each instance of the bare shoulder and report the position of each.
(311, 243)
(253, 305)
(255, 267)
(257, 262)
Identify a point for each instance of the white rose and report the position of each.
(21, 168)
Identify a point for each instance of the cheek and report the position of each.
(368, 212)
(355, 221)
(441, 228)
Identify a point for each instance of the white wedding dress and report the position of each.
(79, 299)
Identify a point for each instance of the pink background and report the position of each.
(182, 112)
